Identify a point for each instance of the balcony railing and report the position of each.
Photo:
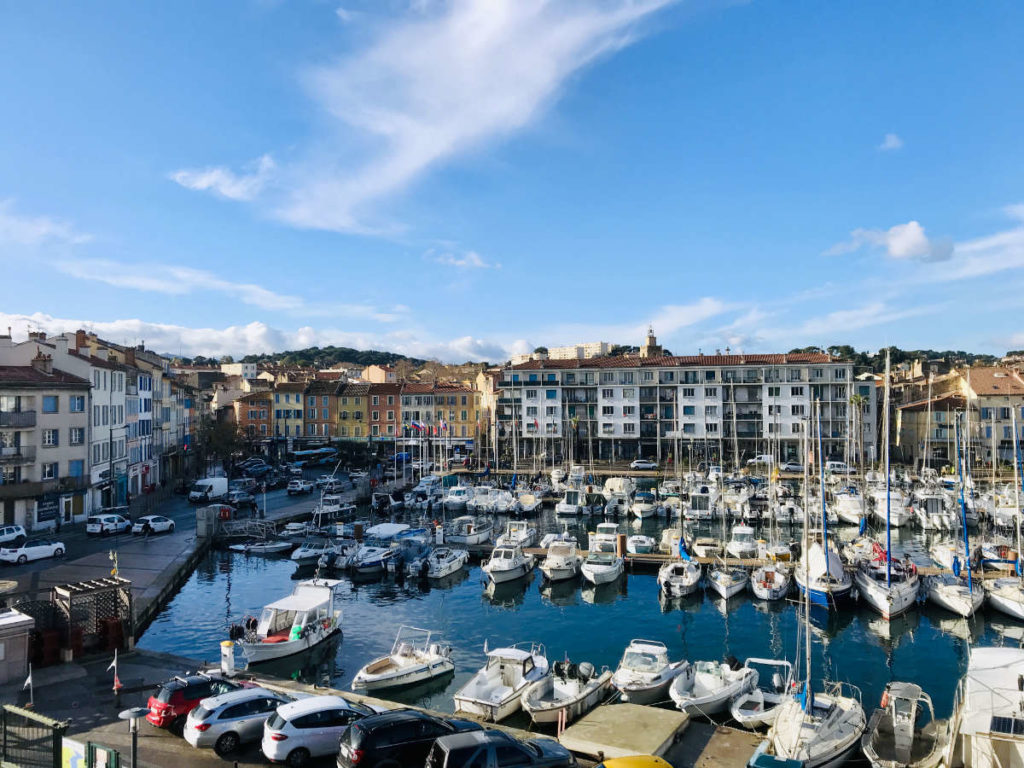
(18, 419)
(24, 454)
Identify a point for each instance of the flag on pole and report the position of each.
(113, 666)
(28, 680)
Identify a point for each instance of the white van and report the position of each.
(837, 468)
(209, 489)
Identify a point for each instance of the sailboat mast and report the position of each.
(888, 526)
(963, 508)
(821, 477)
(1016, 485)
(928, 425)
(808, 700)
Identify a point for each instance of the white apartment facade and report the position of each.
(704, 407)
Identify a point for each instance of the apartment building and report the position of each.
(254, 416)
(289, 409)
(384, 410)
(44, 448)
(380, 374)
(702, 406)
(353, 411)
(321, 409)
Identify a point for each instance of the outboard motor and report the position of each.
(586, 670)
(733, 663)
(558, 668)
(777, 683)
(236, 632)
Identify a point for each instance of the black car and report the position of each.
(495, 749)
(395, 739)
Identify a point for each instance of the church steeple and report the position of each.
(650, 347)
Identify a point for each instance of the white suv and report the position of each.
(309, 728)
(12, 533)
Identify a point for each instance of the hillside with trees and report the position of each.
(876, 361)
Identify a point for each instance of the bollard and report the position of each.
(227, 658)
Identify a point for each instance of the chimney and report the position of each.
(129, 356)
(42, 363)
(81, 340)
(6, 342)
(37, 335)
(61, 344)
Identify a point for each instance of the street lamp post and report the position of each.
(132, 716)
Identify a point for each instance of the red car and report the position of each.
(172, 702)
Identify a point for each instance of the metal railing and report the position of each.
(17, 419)
(18, 454)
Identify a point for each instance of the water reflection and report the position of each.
(561, 593)
(603, 594)
(508, 594)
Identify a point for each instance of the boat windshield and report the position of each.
(743, 536)
(562, 550)
(698, 501)
(644, 661)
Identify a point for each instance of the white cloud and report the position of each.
(178, 281)
(890, 143)
(445, 80)
(666, 321)
(902, 241)
(20, 229)
(467, 260)
(344, 14)
(226, 183)
(1015, 211)
(257, 337)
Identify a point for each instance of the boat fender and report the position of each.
(777, 683)
(885, 699)
(733, 662)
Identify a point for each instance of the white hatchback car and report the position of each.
(157, 524)
(33, 549)
(12, 533)
(309, 728)
(225, 722)
(101, 525)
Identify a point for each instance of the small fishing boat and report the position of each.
(742, 545)
(457, 496)
(708, 546)
(1006, 595)
(303, 619)
(526, 503)
(563, 561)
(678, 578)
(771, 581)
(893, 737)
(602, 567)
(468, 530)
(571, 503)
(570, 689)
(727, 580)
(438, 563)
(263, 547)
(756, 707)
(518, 533)
(507, 563)
(645, 673)
(496, 691)
(711, 686)
(702, 504)
(644, 504)
(605, 539)
(640, 544)
(338, 553)
(414, 658)
(953, 593)
(788, 511)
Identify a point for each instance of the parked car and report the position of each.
(15, 533)
(274, 480)
(300, 486)
(257, 471)
(338, 485)
(229, 720)
(239, 499)
(157, 524)
(643, 464)
(174, 699)
(242, 484)
(398, 738)
(101, 525)
(309, 728)
(837, 467)
(208, 489)
(791, 466)
(761, 458)
(496, 749)
(31, 549)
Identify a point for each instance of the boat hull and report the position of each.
(256, 653)
(511, 574)
(412, 676)
(592, 695)
(602, 574)
(560, 573)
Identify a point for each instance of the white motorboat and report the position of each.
(771, 582)
(557, 477)
(894, 737)
(605, 539)
(930, 513)
(702, 504)
(891, 589)
(500, 502)
(562, 561)
(736, 498)
(670, 539)
(438, 563)
(670, 489)
(678, 578)
(526, 502)
(788, 511)
(415, 658)
(727, 580)
(263, 547)
(468, 530)
(570, 691)
(640, 544)
(375, 552)
(496, 691)
(644, 505)
(618, 487)
(1006, 595)
(849, 506)
(457, 496)
(820, 731)
(899, 510)
(602, 567)
(571, 503)
(479, 499)
(757, 707)
(507, 563)
(953, 593)
(303, 619)
(518, 533)
(742, 545)
(616, 504)
(708, 546)
(645, 673)
(712, 686)
(945, 553)
(986, 710)
(550, 538)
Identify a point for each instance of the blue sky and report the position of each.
(470, 179)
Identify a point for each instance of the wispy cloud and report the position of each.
(891, 143)
(465, 260)
(344, 14)
(179, 281)
(23, 229)
(902, 241)
(226, 183)
(444, 80)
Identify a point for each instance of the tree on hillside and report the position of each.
(540, 350)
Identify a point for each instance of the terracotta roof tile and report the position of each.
(632, 361)
(995, 381)
(27, 376)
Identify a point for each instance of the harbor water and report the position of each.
(927, 646)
